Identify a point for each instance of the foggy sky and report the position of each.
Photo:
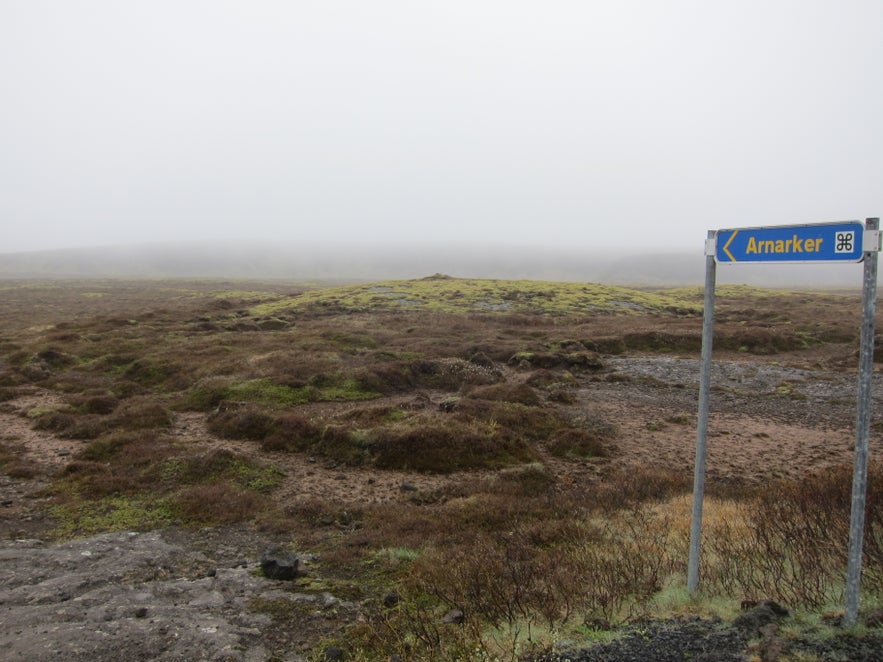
(621, 124)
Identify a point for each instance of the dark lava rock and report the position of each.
(454, 616)
(754, 619)
(278, 563)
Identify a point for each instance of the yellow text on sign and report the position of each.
(783, 246)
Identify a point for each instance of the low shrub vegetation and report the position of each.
(534, 528)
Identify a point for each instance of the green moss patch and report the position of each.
(456, 295)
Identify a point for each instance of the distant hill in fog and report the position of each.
(352, 262)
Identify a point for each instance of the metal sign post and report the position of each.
(702, 432)
(862, 427)
(824, 242)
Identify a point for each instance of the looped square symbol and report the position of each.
(844, 242)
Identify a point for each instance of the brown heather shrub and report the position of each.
(73, 426)
(517, 393)
(21, 469)
(636, 485)
(15, 466)
(343, 445)
(373, 416)
(85, 467)
(207, 467)
(109, 446)
(95, 480)
(219, 503)
(625, 567)
(96, 404)
(533, 423)
(55, 358)
(292, 433)
(125, 388)
(607, 345)
(311, 509)
(449, 448)
(387, 378)
(791, 541)
(580, 443)
(89, 426)
(532, 480)
(451, 374)
(511, 582)
(154, 372)
(206, 394)
(662, 341)
(123, 461)
(244, 423)
(54, 421)
(142, 413)
(9, 387)
(544, 378)
(295, 367)
(759, 340)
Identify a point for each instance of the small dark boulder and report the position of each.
(754, 619)
(278, 563)
(332, 653)
(455, 616)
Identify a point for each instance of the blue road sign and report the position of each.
(822, 242)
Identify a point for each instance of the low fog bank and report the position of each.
(380, 262)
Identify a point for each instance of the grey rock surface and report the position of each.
(112, 597)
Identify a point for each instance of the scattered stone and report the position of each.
(448, 405)
(455, 616)
(332, 653)
(278, 563)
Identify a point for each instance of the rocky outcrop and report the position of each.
(137, 596)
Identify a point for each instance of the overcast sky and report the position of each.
(620, 123)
